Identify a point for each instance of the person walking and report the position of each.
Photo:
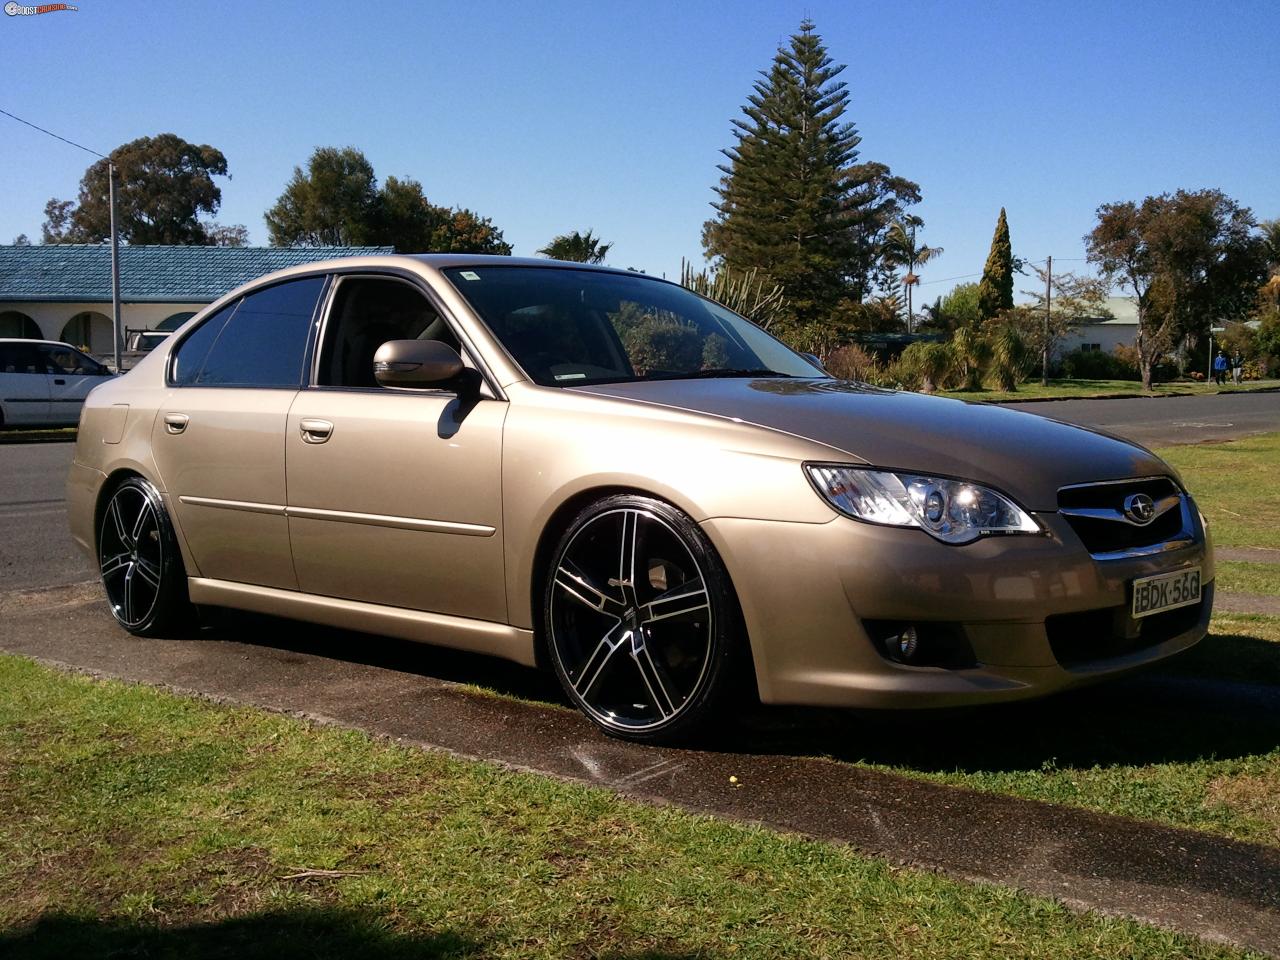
(1237, 367)
(1220, 369)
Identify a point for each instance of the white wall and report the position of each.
(52, 318)
(1108, 335)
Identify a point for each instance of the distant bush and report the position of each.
(852, 362)
(1098, 365)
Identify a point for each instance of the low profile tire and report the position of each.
(140, 563)
(641, 621)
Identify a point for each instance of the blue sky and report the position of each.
(555, 116)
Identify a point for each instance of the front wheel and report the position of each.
(138, 558)
(641, 621)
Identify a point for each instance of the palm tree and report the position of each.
(900, 247)
(578, 247)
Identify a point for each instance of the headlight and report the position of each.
(953, 511)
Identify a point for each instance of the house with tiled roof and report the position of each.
(63, 291)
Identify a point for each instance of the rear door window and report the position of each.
(261, 343)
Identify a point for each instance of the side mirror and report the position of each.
(813, 358)
(416, 363)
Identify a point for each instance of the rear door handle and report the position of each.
(176, 422)
(315, 431)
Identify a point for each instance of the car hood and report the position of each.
(1025, 455)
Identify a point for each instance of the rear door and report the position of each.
(71, 376)
(219, 438)
(24, 383)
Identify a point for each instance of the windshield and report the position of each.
(569, 328)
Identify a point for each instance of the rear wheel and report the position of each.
(641, 621)
(139, 561)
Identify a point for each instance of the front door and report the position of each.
(394, 495)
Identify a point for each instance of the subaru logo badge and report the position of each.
(1139, 509)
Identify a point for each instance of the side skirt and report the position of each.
(477, 636)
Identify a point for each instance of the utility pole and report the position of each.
(117, 331)
(1048, 300)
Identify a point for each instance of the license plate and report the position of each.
(1166, 591)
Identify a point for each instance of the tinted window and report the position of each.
(265, 340)
(21, 358)
(189, 358)
(68, 360)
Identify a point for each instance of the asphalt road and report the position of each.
(35, 547)
(1158, 421)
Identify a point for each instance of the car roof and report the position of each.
(51, 343)
(436, 261)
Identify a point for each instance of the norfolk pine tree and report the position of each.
(794, 203)
(995, 292)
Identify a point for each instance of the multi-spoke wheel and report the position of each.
(640, 619)
(138, 556)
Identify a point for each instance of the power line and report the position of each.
(50, 133)
(117, 323)
(967, 276)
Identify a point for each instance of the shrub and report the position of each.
(1097, 365)
(926, 365)
(852, 362)
(1009, 358)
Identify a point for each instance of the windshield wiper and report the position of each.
(720, 372)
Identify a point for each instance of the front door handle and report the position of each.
(176, 422)
(60, 382)
(315, 431)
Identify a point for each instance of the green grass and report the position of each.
(1084, 389)
(138, 823)
(36, 434)
(1238, 576)
(1237, 487)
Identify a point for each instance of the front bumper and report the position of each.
(1039, 613)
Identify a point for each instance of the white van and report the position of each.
(44, 383)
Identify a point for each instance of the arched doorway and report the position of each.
(175, 321)
(90, 330)
(15, 324)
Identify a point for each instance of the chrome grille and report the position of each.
(1096, 512)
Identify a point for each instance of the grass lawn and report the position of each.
(1237, 486)
(138, 823)
(36, 434)
(1065, 389)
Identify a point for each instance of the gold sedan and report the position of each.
(605, 473)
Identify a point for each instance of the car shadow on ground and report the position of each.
(1220, 700)
(307, 932)
(441, 663)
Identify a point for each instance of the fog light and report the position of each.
(906, 644)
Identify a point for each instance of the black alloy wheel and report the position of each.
(138, 558)
(641, 621)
